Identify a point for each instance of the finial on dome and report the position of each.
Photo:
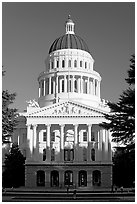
(69, 16)
(69, 26)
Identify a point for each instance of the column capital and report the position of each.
(76, 125)
(48, 125)
(90, 125)
(62, 125)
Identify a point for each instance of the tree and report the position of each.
(122, 116)
(14, 174)
(9, 115)
(124, 167)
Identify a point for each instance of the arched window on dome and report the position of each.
(85, 65)
(57, 63)
(69, 63)
(93, 154)
(81, 63)
(63, 63)
(75, 85)
(75, 63)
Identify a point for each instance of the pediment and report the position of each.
(67, 108)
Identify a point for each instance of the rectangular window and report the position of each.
(44, 154)
(68, 154)
(44, 136)
(53, 137)
(92, 136)
(84, 136)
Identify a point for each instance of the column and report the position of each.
(48, 142)
(81, 84)
(60, 86)
(39, 89)
(99, 89)
(100, 145)
(75, 134)
(89, 133)
(93, 86)
(89, 142)
(72, 83)
(34, 136)
(65, 83)
(75, 142)
(48, 135)
(62, 141)
(88, 86)
(30, 139)
(50, 85)
(44, 86)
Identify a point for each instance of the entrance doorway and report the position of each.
(68, 178)
(54, 178)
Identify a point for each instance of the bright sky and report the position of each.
(28, 30)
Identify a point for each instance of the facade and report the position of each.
(60, 135)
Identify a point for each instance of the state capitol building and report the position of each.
(60, 135)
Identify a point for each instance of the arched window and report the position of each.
(75, 86)
(96, 178)
(85, 65)
(82, 178)
(40, 178)
(69, 63)
(52, 154)
(93, 154)
(80, 63)
(68, 178)
(75, 63)
(63, 63)
(57, 63)
(62, 85)
(44, 154)
(84, 154)
(54, 178)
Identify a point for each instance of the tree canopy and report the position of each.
(14, 174)
(9, 115)
(121, 120)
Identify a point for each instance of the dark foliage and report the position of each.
(9, 115)
(14, 174)
(122, 117)
(124, 167)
